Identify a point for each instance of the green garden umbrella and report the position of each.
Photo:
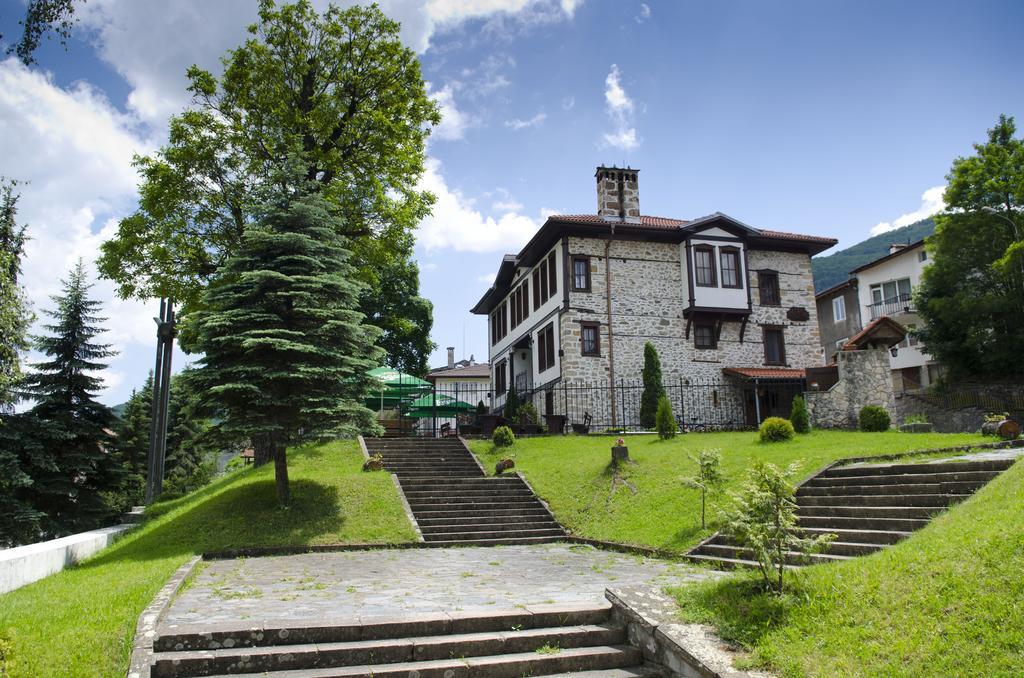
(392, 387)
(444, 406)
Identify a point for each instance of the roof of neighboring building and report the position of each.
(474, 371)
(884, 329)
(648, 227)
(850, 282)
(892, 255)
(765, 372)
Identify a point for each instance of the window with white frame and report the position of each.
(839, 309)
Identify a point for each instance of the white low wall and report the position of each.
(25, 564)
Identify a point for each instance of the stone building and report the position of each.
(726, 305)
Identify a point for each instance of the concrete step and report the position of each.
(486, 493)
(868, 511)
(491, 666)
(878, 537)
(724, 551)
(631, 672)
(904, 500)
(902, 469)
(435, 473)
(503, 541)
(890, 489)
(456, 484)
(486, 525)
(464, 502)
(725, 563)
(491, 510)
(491, 520)
(847, 523)
(901, 478)
(494, 533)
(839, 547)
(379, 653)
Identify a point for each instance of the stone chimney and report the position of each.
(451, 357)
(618, 194)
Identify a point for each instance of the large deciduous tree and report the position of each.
(971, 297)
(336, 93)
(285, 353)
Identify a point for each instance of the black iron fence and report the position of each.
(597, 407)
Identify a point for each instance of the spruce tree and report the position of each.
(285, 353)
(71, 425)
(21, 455)
(15, 316)
(653, 388)
(185, 450)
(133, 441)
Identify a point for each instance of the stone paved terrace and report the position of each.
(399, 582)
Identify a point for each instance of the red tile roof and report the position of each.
(765, 372)
(877, 328)
(647, 221)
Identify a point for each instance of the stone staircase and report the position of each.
(454, 503)
(541, 640)
(866, 507)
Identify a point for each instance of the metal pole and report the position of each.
(155, 407)
(161, 395)
(757, 402)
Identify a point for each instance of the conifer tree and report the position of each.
(15, 316)
(133, 440)
(70, 484)
(185, 449)
(285, 353)
(653, 388)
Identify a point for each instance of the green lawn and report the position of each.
(81, 621)
(646, 504)
(948, 601)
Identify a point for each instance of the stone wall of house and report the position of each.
(864, 379)
(648, 297)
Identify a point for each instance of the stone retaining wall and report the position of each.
(864, 379)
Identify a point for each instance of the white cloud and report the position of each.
(645, 13)
(453, 121)
(429, 266)
(931, 203)
(74, 150)
(456, 225)
(518, 124)
(568, 103)
(506, 206)
(453, 11)
(620, 110)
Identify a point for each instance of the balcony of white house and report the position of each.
(900, 303)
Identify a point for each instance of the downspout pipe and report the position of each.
(608, 304)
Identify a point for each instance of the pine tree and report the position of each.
(133, 441)
(285, 353)
(72, 426)
(185, 450)
(653, 388)
(15, 316)
(21, 455)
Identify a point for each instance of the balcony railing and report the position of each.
(893, 306)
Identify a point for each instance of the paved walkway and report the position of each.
(407, 581)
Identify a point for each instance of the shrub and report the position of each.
(481, 408)
(798, 415)
(916, 419)
(873, 418)
(665, 421)
(764, 520)
(512, 403)
(776, 430)
(709, 478)
(653, 388)
(527, 414)
(503, 437)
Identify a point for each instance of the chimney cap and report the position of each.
(613, 168)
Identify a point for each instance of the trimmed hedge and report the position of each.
(776, 430)
(503, 437)
(873, 418)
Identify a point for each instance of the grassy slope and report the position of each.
(81, 621)
(948, 601)
(647, 504)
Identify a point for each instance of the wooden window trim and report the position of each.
(714, 340)
(537, 301)
(552, 275)
(711, 262)
(572, 278)
(782, 344)
(542, 282)
(546, 348)
(733, 252)
(760, 288)
(596, 327)
(500, 378)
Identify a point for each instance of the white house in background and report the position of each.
(468, 379)
(884, 288)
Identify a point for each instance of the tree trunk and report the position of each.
(281, 474)
(263, 450)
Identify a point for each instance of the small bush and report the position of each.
(503, 437)
(776, 430)
(873, 418)
(798, 415)
(527, 414)
(665, 421)
(916, 419)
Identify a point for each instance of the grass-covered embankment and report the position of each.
(80, 622)
(947, 601)
(645, 503)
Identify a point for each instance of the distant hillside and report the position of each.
(834, 269)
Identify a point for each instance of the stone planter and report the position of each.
(373, 464)
(620, 454)
(503, 465)
(555, 423)
(918, 427)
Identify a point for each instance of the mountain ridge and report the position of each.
(835, 268)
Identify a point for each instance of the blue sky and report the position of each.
(829, 118)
